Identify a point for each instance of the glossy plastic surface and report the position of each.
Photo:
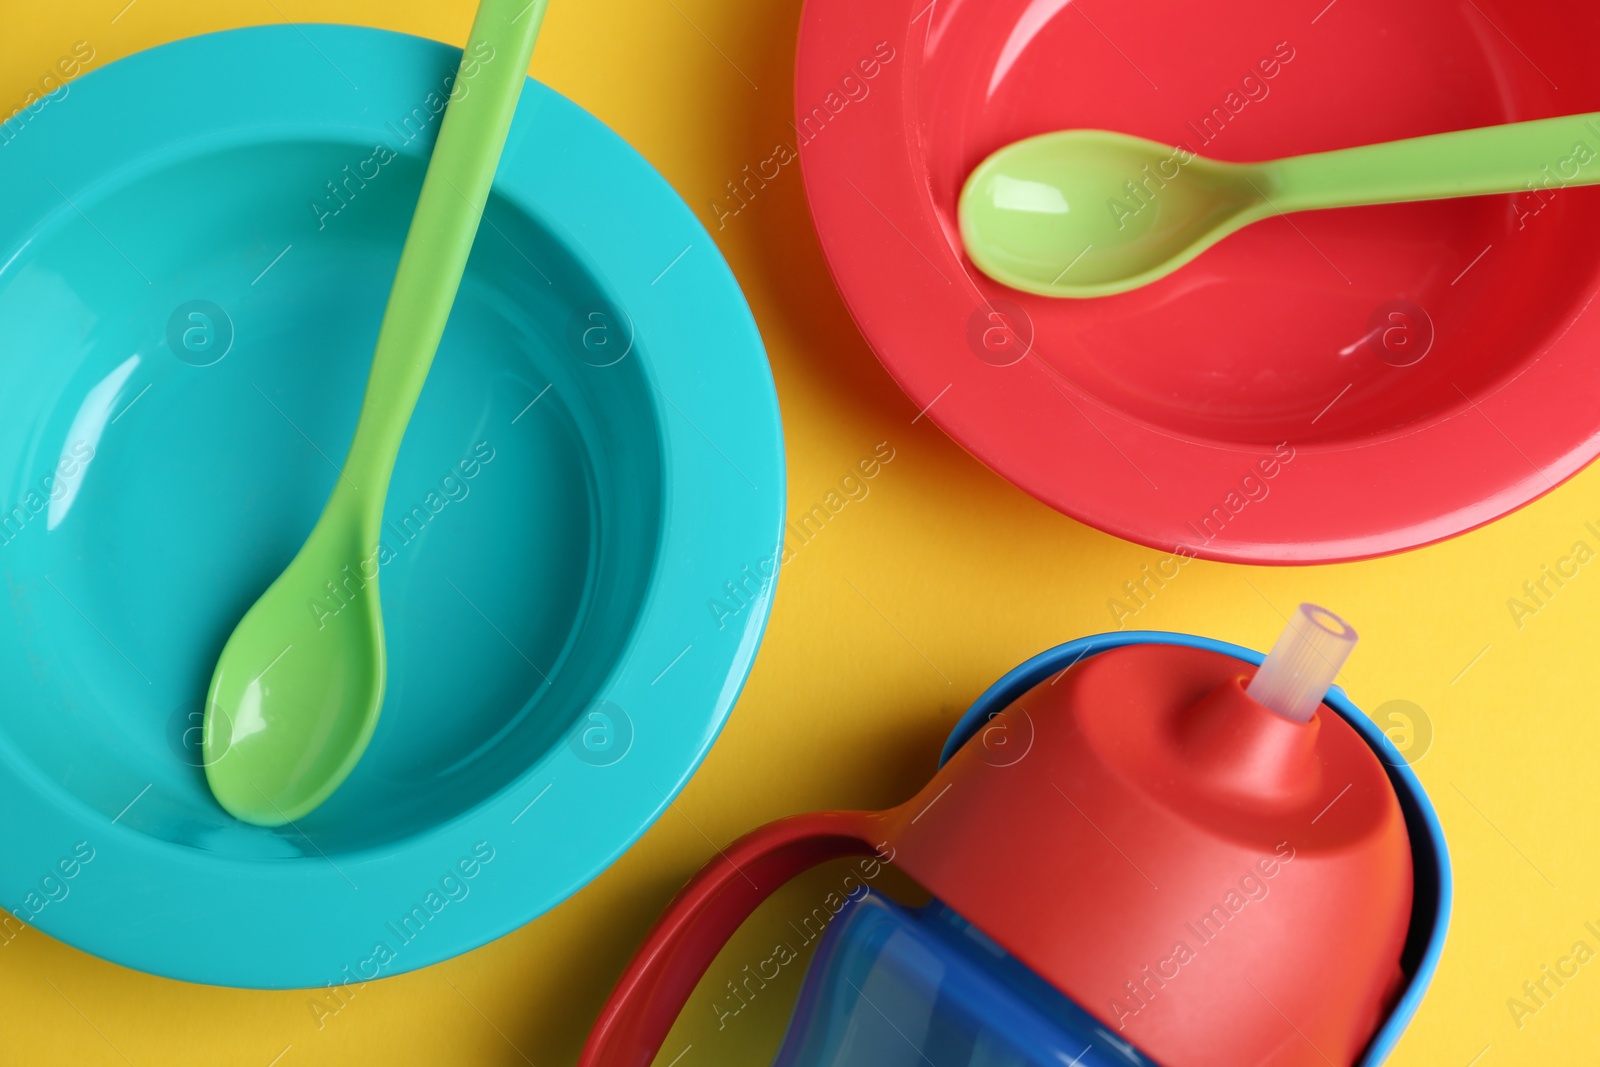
(293, 701)
(1164, 845)
(1432, 887)
(1332, 386)
(890, 987)
(981, 848)
(705, 913)
(562, 507)
(1085, 213)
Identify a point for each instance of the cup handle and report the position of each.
(653, 990)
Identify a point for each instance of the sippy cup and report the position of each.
(1141, 849)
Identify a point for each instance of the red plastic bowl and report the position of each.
(1322, 386)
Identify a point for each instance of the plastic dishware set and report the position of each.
(1134, 843)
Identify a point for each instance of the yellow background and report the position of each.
(886, 626)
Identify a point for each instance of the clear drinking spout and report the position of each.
(1296, 675)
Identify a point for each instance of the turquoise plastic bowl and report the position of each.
(196, 244)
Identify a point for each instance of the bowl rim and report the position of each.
(296, 922)
(912, 295)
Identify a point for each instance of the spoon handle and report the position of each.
(483, 98)
(1513, 158)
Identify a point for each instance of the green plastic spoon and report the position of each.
(1089, 213)
(299, 686)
